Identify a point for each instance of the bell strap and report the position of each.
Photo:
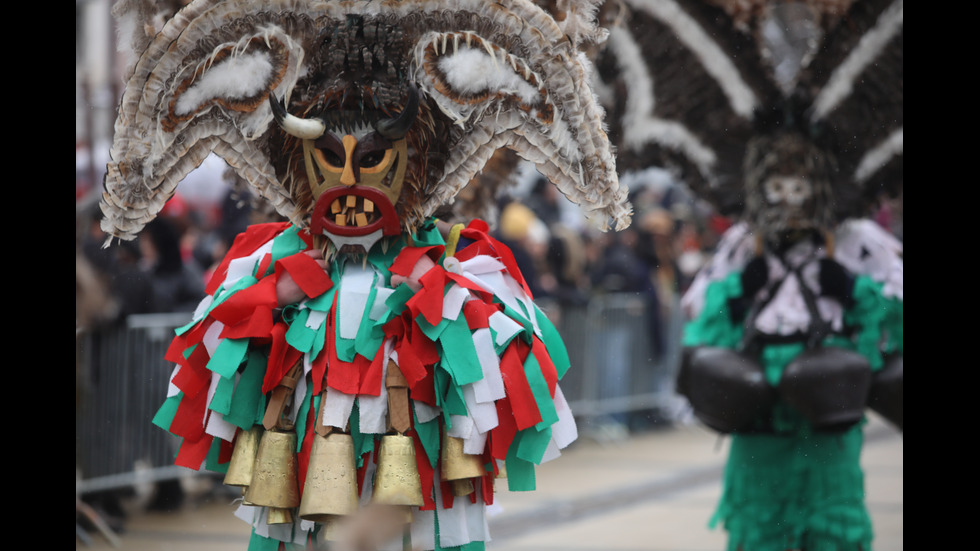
(280, 397)
(399, 410)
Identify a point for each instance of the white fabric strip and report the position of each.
(463, 523)
(565, 431)
(491, 386)
(336, 411)
(211, 338)
(355, 288)
(452, 303)
(216, 424)
(483, 414)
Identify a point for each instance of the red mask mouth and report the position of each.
(354, 211)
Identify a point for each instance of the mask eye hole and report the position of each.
(372, 159)
(330, 150)
(332, 158)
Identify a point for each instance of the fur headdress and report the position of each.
(490, 75)
(730, 92)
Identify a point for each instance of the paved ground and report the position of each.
(651, 491)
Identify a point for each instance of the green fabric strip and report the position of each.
(211, 461)
(521, 319)
(433, 332)
(260, 543)
(302, 416)
(533, 444)
(247, 403)
(221, 401)
(429, 435)
(396, 302)
(450, 394)
(554, 343)
(165, 415)
(285, 244)
(298, 335)
(324, 302)
(539, 388)
(460, 357)
(228, 356)
(363, 443)
(369, 336)
(520, 473)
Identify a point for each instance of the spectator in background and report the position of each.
(177, 286)
(527, 237)
(621, 270)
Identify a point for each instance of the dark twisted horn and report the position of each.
(395, 128)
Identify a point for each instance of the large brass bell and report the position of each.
(274, 479)
(242, 461)
(458, 466)
(331, 479)
(397, 481)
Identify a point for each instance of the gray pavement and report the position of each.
(648, 491)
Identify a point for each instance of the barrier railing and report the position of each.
(123, 376)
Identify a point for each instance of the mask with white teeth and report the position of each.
(355, 173)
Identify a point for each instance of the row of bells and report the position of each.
(265, 466)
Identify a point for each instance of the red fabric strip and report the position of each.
(282, 358)
(193, 453)
(446, 487)
(370, 372)
(428, 301)
(225, 450)
(426, 350)
(307, 274)
(175, 352)
(341, 375)
(263, 268)
(547, 366)
(426, 474)
(190, 416)
(486, 486)
(245, 244)
(478, 314)
(409, 363)
(406, 260)
(525, 408)
(193, 376)
(371, 375)
(503, 434)
(248, 313)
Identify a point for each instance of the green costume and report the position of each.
(793, 487)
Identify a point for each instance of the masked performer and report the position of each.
(354, 356)
(788, 117)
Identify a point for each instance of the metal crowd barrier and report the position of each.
(122, 379)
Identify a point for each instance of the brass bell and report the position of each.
(397, 481)
(274, 479)
(457, 465)
(331, 479)
(278, 515)
(243, 458)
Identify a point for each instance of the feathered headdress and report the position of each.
(730, 93)
(489, 75)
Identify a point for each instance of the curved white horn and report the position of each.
(307, 129)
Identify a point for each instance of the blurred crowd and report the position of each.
(563, 259)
